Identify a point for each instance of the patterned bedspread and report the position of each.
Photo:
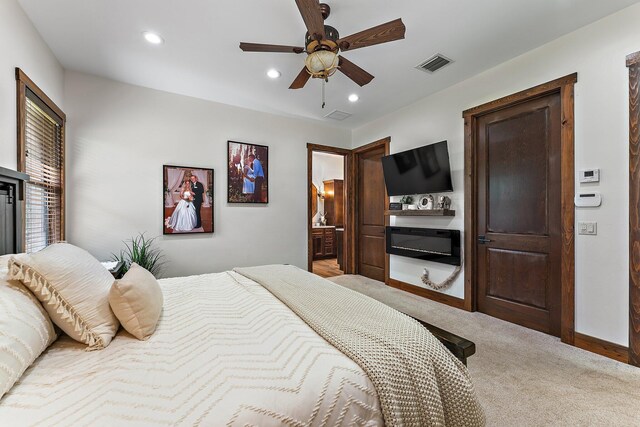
(226, 353)
(418, 381)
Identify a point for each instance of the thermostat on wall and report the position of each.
(590, 175)
(588, 200)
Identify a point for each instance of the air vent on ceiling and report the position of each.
(338, 115)
(434, 63)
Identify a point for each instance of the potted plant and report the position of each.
(143, 252)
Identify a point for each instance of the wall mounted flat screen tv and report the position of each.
(418, 171)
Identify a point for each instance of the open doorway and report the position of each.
(327, 219)
(353, 209)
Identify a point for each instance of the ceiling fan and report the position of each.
(323, 43)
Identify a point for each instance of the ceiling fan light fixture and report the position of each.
(322, 63)
(323, 45)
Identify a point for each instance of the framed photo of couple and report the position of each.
(247, 173)
(188, 200)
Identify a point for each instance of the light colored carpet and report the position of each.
(524, 377)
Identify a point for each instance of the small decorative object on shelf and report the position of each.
(444, 202)
(426, 202)
(395, 206)
(323, 218)
(406, 202)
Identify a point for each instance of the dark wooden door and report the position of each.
(519, 214)
(371, 219)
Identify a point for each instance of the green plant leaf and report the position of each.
(142, 251)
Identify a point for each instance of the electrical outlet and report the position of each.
(589, 228)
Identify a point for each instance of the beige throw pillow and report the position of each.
(74, 289)
(25, 330)
(137, 299)
(4, 263)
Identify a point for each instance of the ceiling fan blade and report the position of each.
(301, 80)
(354, 72)
(383, 33)
(257, 47)
(312, 16)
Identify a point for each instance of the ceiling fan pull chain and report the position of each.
(323, 93)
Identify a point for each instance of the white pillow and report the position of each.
(136, 300)
(25, 330)
(74, 289)
(4, 263)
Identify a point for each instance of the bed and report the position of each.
(224, 349)
(226, 352)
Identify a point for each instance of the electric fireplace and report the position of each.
(429, 244)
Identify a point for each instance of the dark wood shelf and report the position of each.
(424, 212)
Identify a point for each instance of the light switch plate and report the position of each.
(589, 228)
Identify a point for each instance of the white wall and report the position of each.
(597, 52)
(325, 166)
(21, 46)
(121, 135)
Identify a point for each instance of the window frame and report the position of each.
(23, 85)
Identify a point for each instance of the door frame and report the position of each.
(348, 202)
(565, 87)
(354, 213)
(633, 63)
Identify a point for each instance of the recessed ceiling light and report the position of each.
(273, 73)
(152, 38)
(353, 97)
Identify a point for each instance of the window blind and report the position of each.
(44, 163)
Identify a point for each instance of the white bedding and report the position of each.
(226, 352)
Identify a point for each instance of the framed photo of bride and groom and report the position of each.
(248, 173)
(188, 200)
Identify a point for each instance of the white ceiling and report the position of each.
(201, 57)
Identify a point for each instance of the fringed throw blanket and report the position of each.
(418, 381)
